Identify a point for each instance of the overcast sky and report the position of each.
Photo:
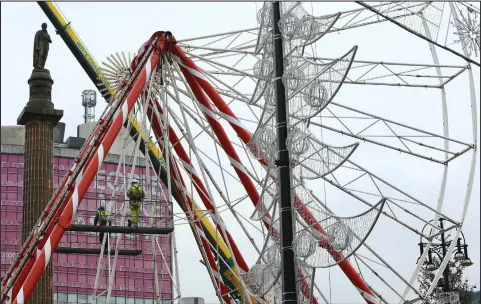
(106, 28)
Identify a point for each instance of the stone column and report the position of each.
(39, 118)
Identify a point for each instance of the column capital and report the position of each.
(40, 106)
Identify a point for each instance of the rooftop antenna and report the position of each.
(89, 100)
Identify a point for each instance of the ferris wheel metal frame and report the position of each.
(197, 84)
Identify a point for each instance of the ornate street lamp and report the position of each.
(430, 266)
(466, 262)
(440, 249)
(462, 255)
(459, 255)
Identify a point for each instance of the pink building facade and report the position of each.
(75, 274)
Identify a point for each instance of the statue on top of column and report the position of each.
(41, 47)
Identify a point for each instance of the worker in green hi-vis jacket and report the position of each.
(135, 195)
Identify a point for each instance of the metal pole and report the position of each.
(443, 246)
(288, 276)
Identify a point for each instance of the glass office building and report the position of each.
(75, 274)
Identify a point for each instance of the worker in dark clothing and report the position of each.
(102, 218)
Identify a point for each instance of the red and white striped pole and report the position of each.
(225, 143)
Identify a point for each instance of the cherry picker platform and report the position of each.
(121, 229)
(111, 229)
(96, 251)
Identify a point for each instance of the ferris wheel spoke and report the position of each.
(360, 199)
(218, 84)
(216, 53)
(233, 40)
(225, 37)
(193, 181)
(249, 30)
(393, 270)
(361, 67)
(246, 41)
(380, 194)
(376, 181)
(223, 170)
(418, 139)
(422, 75)
(201, 121)
(246, 44)
(231, 88)
(351, 19)
(107, 244)
(362, 72)
(222, 38)
(377, 274)
(217, 50)
(433, 13)
(159, 248)
(384, 281)
(176, 145)
(380, 298)
(229, 68)
(118, 62)
(372, 175)
(411, 128)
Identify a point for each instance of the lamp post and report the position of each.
(440, 249)
(288, 274)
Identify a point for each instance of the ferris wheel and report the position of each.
(373, 146)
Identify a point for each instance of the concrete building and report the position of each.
(74, 274)
(192, 300)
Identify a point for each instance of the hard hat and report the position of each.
(135, 181)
